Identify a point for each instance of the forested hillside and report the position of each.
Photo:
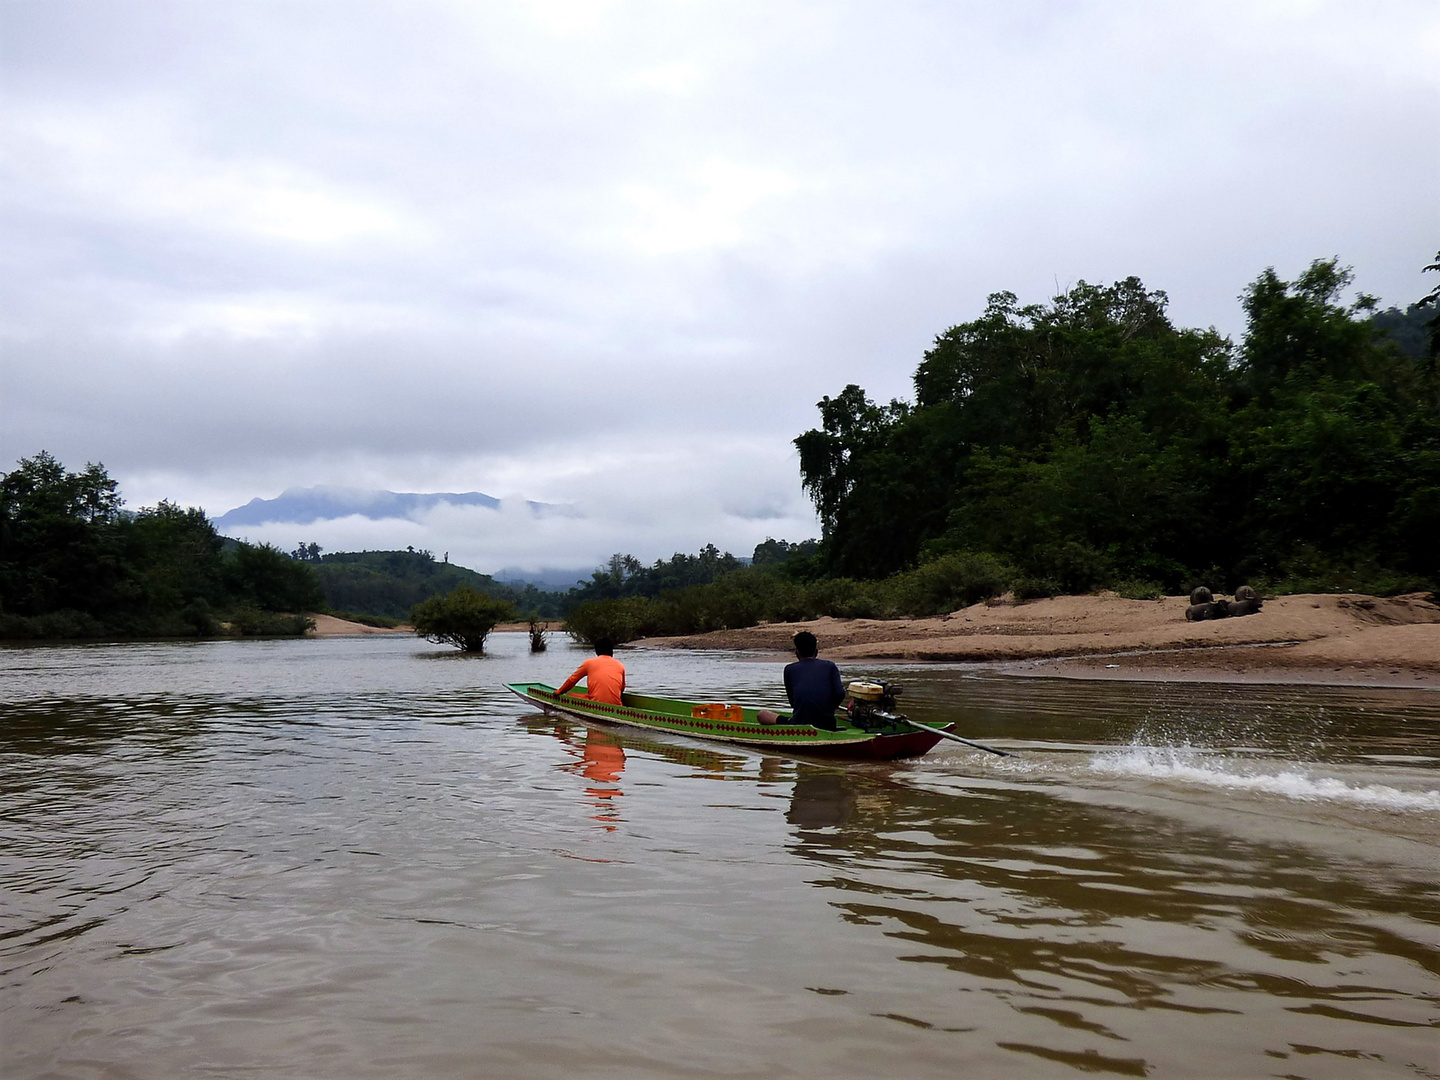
(390, 583)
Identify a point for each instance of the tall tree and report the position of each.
(994, 400)
(1432, 299)
(1089, 440)
(54, 552)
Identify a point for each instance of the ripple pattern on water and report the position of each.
(364, 858)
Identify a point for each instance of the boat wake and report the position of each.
(1188, 765)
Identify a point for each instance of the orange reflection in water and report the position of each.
(601, 761)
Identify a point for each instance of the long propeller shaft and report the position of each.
(957, 738)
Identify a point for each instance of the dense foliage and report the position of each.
(625, 576)
(1090, 442)
(770, 593)
(1410, 330)
(73, 563)
(389, 583)
(711, 590)
(462, 617)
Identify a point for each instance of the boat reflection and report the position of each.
(822, 798)
(598, 755)
(700, 758)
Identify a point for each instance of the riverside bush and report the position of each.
(949, 582)
(251, 622)
(619, 620)
(462, 617)
(52, 624)
(749, 596)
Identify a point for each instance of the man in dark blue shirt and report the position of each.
(812, 685)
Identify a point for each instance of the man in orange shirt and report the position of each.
(604, 675)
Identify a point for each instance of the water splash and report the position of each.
(1190, 765)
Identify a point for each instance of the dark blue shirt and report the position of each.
(814, 689)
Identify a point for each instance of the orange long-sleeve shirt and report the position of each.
(604, 679)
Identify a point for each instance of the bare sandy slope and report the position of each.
(1311, 634)
(329, 626)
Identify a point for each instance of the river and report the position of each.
(364, 858)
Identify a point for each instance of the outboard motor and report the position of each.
(872, 705)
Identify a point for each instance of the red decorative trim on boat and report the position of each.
(789, 730)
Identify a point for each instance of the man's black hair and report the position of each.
(805, 645)
(604, 647)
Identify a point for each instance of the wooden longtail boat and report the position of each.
(739, 726)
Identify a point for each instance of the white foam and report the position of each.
(1187, 765)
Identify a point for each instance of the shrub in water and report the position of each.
(462, 617)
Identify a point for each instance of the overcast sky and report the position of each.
(611, 254)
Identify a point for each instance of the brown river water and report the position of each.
(364, 858)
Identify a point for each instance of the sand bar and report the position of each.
(330, 626)
(1343, 638)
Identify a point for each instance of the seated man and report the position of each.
(604, 675)
(812, 685)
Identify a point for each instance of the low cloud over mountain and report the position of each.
(550, 543)
(305, 506)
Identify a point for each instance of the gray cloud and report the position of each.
(569, 249)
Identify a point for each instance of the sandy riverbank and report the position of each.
(330, 626)
(1343, 638)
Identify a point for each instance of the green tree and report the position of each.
(462, 617)
(850, 424)
(55, 551)
(1302, 329)
(1337, 449)
(1089, 442)
(620, 620)
(995, 399)
(265, 577)
(1432, 299)
(74, 564)
(772, 552)
(173, 557)
(624, 575)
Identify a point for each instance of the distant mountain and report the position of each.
(550, 580)
(304, 506)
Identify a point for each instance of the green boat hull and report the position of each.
(675, 716)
